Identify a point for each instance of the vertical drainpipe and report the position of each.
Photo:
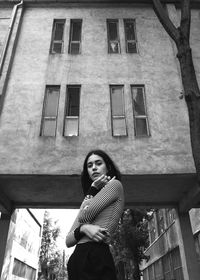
(13, 16)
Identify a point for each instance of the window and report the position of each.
(177, 266)
(197, 245)
(57, 36)
(113, 36)
(24, 239)
(71, 123)
(23, 271)
(145, 274)
(117, 111)
(158, 270)
(170, 216)
(152, 230)
(130, 39)
(167, 267)
(75, 36)
(172, 265)
(139, 111)
(160, 221)
(151, 272)
(50, 108)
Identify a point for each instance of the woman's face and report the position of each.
(96, 167)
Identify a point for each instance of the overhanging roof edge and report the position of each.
(97, 1)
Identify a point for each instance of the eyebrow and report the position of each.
(96, 161)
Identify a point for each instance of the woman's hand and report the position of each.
(95, 232)
(101, 181)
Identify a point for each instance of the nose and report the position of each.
(94, 166)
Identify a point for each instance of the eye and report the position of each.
(89, 165)
(99, 162)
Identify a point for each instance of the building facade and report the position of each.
(78, 75)
(119, 71)
(24, 239)
(165, 245)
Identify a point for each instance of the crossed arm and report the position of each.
(89, 210)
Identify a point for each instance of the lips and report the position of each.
(95, 174)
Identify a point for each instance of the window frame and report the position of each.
(43, 110)
(108, 36)
(72, 21)
(23, 269)
(68, 117)
(151, 268)
(145, 274)
(167, 269)
(125, 33)
(158, 269)
(53, 41)
(118, 116)
(145, 117)
(176, 263)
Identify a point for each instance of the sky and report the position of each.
(65, 219)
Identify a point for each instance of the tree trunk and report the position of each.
(192, 98)
(181, 37)
(136, 273)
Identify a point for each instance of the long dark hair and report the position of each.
(111, 167)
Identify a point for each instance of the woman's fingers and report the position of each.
(102, 179)
(100, 237)
(100, 234)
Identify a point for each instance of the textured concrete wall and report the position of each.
(5, 15)
(195, 220)
(22, 150)
(195, 41)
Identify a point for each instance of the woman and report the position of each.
(97, 219)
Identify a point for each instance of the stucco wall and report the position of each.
(195, 220)
(195, 41)
(22, 150)
(5, 15)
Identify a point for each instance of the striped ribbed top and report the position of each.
(104, 209)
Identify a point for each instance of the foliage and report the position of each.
(50, 257)
(130, 241)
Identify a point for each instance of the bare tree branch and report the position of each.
(165, 20)
(185, 18)
(181, 37)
